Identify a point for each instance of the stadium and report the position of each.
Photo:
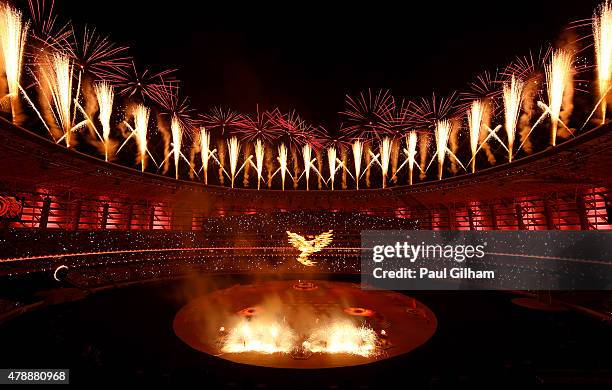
(144, 243)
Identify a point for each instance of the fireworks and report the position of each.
(260, 153)
(45, 30)
(442, 133)
(13, 35)
(474, 123)
(513, 95)
(411, 153)
(177, 138)
(105, 96)
(368, 115)
(602, 34)
(308, 163)
(295, 131)
(558, 75)
(343, 337)
(331, 160)
(282, 160)
(222, 120)
(140, 129)
(141, 83)
(357, 155)
(262, 336)
(234, 151)
(205, 152)
(261, 126)
(385, 157)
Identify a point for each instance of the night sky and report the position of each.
(306, 57)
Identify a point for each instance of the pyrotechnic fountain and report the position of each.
(357, 153)
(105, 96)
(308, 163)
(331, 159)
(410, 152)
(558, 75)
(260, 152)
(177, 138)
(205, 152)
(233, 146)
(282, 160)
(513, 97)
(442, 132)
(385, 157)
(602, 36)
(13, 36)
(475, 123)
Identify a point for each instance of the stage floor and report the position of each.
(403, 323)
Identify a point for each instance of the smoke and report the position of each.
(319, 155)
(524, 124)
(344, 158)
(423, 144)
(269, 158)
(454, 145)
(247, 166)
(90, 105)
(195, 149)
(395, 149)
(296, 166)
(368, 160)
(486, 122)
(221, 154)
(164, 130)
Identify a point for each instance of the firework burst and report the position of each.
(260, 126)
(368, 115)
(46, 30)
(144, 83)
(170, 102)
(427, 113)
(295, 132)
(223, 121)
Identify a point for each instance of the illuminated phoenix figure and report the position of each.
(308, 247)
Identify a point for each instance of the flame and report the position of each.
(13, 36)
(259, 336)
(602, 34)
(105, 96)
(558, 75)
(308, 247)
(513, 97)
(475, 122)
(343, 337)
(357, 154)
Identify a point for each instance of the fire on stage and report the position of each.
(297, 324)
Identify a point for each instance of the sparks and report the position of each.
(474, 124)
(602, 34)
(260, 152)
(105, 96)
(331, 160)
(177, 137)
(513, 97)
(357, 148)
(442, 133)
(234, 152)
(205, 151)
(13, 36)
(558, 75)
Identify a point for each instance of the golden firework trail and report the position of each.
(411, 142)
(57, 76)
(13, 36)
(357, 155)
(282, 160)
(558, 75)
(513, 98)
(442, 133)
(105, 96)
(234, 151)
(308, 160)
(260, 153)
(177, 138)
(331, 160)
(475, 123)
(602, 34)
(141, 127)
(205, 151)
(385, 157)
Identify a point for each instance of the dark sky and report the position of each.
(308, 56)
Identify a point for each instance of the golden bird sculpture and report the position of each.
(309, 246)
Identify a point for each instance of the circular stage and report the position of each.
(298, 324)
